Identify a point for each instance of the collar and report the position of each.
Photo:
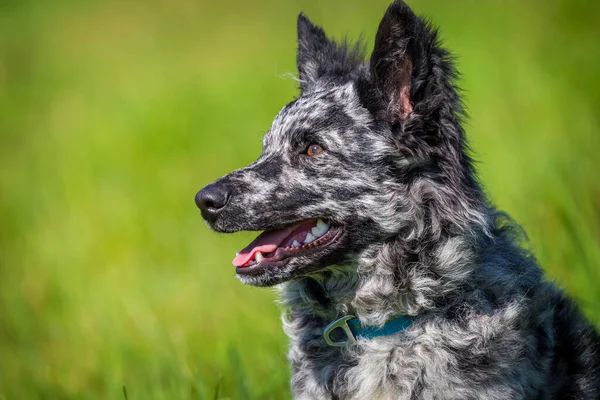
(351, 329)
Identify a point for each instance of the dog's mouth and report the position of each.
(275, 247)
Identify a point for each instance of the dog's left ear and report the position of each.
(398, 58)
(322, 59)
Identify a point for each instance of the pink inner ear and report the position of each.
(405, 82)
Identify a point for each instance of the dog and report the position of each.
(399, 278)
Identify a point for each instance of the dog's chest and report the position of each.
(377, 369)
(426, 366)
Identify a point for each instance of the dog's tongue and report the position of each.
(266, 242)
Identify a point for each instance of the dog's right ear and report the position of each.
(321, 59)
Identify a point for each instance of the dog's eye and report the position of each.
(313, 149)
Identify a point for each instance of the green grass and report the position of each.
(113, 114)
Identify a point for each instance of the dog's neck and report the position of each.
(398, 277)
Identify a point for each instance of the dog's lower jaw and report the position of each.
(297, 267)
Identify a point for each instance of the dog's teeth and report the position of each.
(322, 226)
(258, 256)
(316, 232)
(295, 243)
(309, 238)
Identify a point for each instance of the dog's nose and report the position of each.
(211, 200)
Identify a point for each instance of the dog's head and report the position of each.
(340, 164)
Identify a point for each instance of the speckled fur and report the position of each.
(419, 236)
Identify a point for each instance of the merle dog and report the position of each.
(372, 214)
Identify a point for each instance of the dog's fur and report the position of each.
(419, 236)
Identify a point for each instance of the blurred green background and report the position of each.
(114, 113)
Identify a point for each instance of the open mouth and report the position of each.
(276, 246)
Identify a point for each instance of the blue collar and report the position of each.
(348, 328)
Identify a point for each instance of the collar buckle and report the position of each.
(340, 323)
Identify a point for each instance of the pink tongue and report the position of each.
(266, 242)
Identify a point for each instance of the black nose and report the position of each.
(211, 200)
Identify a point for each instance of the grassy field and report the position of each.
(113, 114)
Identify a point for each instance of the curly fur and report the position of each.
(420, 237)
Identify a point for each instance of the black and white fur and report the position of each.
(419, 237)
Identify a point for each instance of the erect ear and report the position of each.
(397, 58)
(313, 47)
(322, 59)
